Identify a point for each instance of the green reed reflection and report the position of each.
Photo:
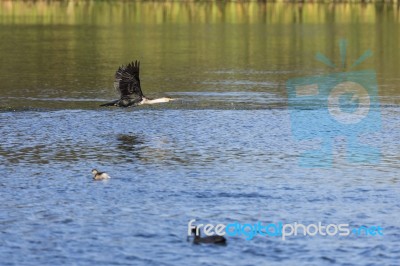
(116, 12)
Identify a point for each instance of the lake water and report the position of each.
(224, 151)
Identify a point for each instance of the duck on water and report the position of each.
(215, 239)
(99, 175)
(127, 83)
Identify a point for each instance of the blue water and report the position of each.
(170, 165)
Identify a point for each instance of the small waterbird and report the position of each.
(99, 175)
(127, 84)
(215, 239)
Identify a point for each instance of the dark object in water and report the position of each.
(215, 239)
(127, 83)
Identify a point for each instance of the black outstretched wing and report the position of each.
(127, 81)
